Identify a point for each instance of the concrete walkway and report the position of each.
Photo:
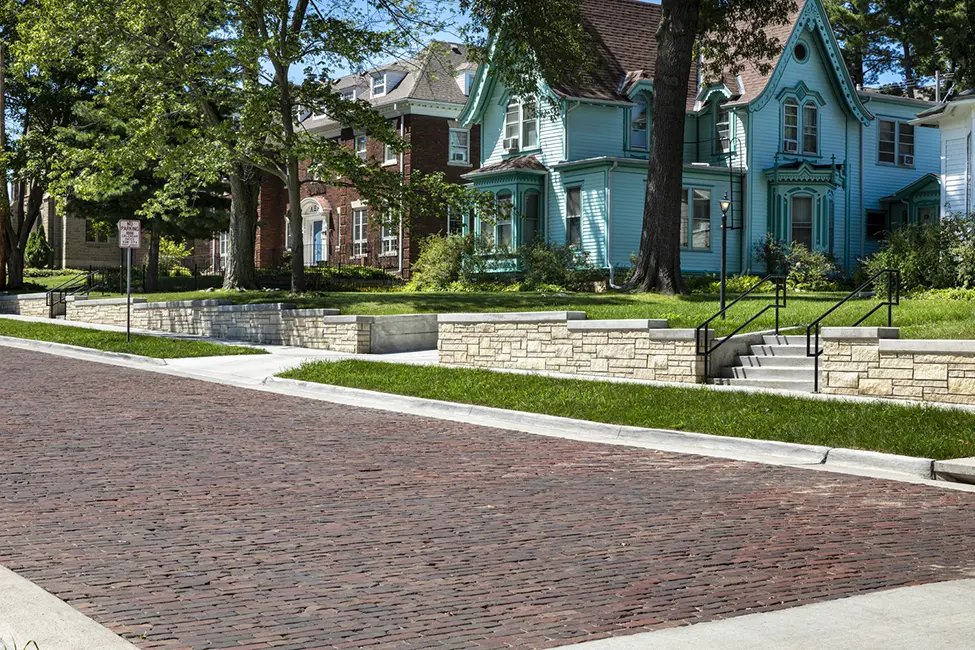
(934, 617)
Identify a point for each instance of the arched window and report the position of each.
(638, 123)
(503, 226)
(529, 213)
(790, 126)
(810, 128)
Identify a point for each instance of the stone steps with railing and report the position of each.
(778, 362)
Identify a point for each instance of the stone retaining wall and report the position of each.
(566, 342)
(872, 361)
(269, 323)
(25, 304)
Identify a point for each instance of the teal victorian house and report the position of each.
(800, 151)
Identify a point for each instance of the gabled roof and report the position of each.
(429, 76)
(912, 188)
(624, 35)
(528, 163)
(931, 115)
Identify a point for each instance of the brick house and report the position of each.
(76, 243)
(422, 97)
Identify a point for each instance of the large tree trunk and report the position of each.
(908, 64)
(15, 268)
(658, 262)
(25, 214)
(151, 282)
(245, 190)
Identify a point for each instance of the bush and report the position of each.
(772, 253)
(450, 259)
(711, 284)
(38, 252)
(930, 256)
(805, 270)
(554, 265)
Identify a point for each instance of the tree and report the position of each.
(861, 28)
(727, 33)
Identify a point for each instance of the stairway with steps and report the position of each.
(779, 362)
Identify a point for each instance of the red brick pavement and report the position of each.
(183, 514)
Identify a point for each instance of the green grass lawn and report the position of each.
(146, 346)
(917, 318)
(891, 428)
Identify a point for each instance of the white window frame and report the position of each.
(223, 248)
(899, 146)
(390, 157)
(287, 233)
(807, 130)
(375, 85)
(363, 151)
(464, 150)
(689, 202)
(516, 126)
(389, 239)
(638, 101)
(722, 129)
(348, 94)
(360, 232)
(791, 103)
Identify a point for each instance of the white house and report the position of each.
(956, 119)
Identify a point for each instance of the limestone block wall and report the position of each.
(874, 362)
(25, 304)
(270, 323)
(566, 342)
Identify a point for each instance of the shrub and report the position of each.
(445, 260)
(929, 256)
(38, 252)
(551, 264)
(810, 270)
(171, 256)
(772, 253)
(711, 284)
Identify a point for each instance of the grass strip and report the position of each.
(147, 346)
(891, 428)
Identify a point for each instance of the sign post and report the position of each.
(129, 237)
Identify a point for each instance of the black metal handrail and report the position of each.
(82, 283)
(701, 333)
(893, 291)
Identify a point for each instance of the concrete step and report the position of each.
(770, 361)
(780, 384)
(779, 350)
(740, 372)
(790, 339)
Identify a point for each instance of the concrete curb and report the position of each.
(31, 614)
(660, 439)
(77, 351)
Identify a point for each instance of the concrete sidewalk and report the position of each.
(935, 616)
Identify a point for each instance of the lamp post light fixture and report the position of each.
(725, 204)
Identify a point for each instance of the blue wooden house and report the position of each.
(800, 151)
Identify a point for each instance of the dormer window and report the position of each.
(722, 130)
(465, 81)
(810, 128)
(638, 123)
(800, 128)
(520, 126)
(379, 84)
(790, 124)
(348, 94)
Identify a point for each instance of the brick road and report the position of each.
(183, 514)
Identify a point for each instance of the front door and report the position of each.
(802, 220)
(316, 238)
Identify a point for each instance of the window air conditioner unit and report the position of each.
(908, 160)
(510, 144)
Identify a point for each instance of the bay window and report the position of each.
(638, 123)
(503, 225)
(529, 228)
(573, 216)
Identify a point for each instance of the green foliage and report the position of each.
(547, 264)
(772, 254)
(891, 428)
(446, 260)
(929, 256)
(811, 270)
(38, 252)
(711, 284)
(50, 273)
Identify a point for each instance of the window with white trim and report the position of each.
(349, 94)
(287, 234)
(390, 157)
(790, 126)
(573, 216)
(379, 84)
(503, 225)
(360, 243)
(520, 126)
(638, 123)
(455, 221)
(896, 143)
(460, 146)
(722, 129)
(389, 239)
(695, 222)
(224, 248)
(810, 128)
(361, 141)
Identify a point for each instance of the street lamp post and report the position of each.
(725, 206)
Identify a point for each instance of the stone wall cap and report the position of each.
(23, 296)
(618, 325)
(928, 346)
(260, 306)
(301, 313)
(675, 335)
(108, 301)
(513, 317)
(183, 304)
(348, 318)
(859, 333)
